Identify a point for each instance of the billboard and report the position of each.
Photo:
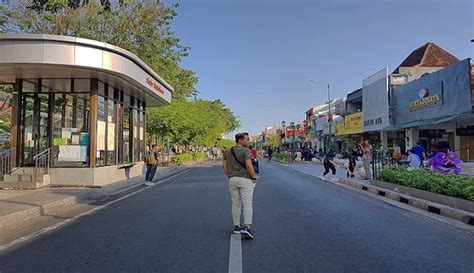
(443, 93)
(375, 101)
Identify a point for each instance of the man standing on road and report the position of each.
(242, 178)
(366, 149)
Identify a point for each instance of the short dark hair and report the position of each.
(240, 136)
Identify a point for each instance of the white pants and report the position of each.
(241, 192)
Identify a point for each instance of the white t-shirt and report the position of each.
(414, 161)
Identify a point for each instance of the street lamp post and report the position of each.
(329, 111)
(292, 126)
(283, 125)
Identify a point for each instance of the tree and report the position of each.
(274, 140)
(192, 122)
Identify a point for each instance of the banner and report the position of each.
(353, 124)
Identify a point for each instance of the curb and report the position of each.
(467, 218)
(57, 206)
(432, 207)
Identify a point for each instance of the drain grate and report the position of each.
(434, 210)
(470, 221)
(404, 200)
(364, 188)
(381, 193)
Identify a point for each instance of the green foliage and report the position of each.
(195, 122)
(274, 140)
(452, 185)
(226, 143)
(188, 157)
(282, 157)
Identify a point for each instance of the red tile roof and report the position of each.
(428, 55)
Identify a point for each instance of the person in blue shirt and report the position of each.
(419, 151)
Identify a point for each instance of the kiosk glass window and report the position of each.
(136, 136)
(101, 127)
(111, 128)
(142, 134)
(127, 156)
(70, 143)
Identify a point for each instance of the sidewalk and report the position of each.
(17, 206)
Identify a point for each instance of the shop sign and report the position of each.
(425, 100)
(340, 129)
(432, 133)
(155, 85)
(465, 131)
(353, 123)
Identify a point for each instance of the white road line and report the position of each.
(235, 254)
(67, 221)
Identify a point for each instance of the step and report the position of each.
(25, 182)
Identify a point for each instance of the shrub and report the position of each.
(187, 157)
(451, 185)
(283, 157)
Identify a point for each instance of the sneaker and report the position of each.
(247, 233)
(148, 183)
(237, 230)
(322, 177)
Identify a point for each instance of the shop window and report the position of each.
(101, 131)
(127, 155)
(70, 144)
(136, 136)
(142, 135)
(6, 92)
(111, 122)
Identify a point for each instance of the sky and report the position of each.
(258, 56)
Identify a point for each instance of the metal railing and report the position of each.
(42, 162)
(381, 161)
(5, 164)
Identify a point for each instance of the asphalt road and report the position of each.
(301, 224)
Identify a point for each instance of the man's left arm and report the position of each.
(224, 165)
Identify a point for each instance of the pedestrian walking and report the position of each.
(215, 153)
(366, 149)
(254, 159)
(328, 163)
(242, 179)
(270, 153)
(151, 161)
(351, 164)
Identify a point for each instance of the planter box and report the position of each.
(454, 202)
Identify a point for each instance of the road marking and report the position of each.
(67, 221)
(235, 254)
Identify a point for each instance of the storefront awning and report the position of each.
(434, 121)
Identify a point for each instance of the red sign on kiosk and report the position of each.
(155, 85)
